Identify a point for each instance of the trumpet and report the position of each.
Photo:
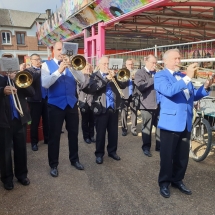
(158, 67)
(123, 75)
(200, 69)
(22, 80)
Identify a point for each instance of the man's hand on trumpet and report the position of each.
(64, 64)
(7, 90)
(209, 81)
(110, 75)
(191, 70)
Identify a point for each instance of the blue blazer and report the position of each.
(176, 112)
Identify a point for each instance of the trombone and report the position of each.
(123, 75)
(77, 62)
(22, 80)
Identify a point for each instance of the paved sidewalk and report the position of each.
(125, 187)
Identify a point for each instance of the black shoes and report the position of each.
(87, 140)
(8, 185)
(157, 149)
(182, 187)
(99, 160)
(24, 181)
(124, 133)
(147, 153)
(164, 191)
(54, 172)
(34, 147)
(77, 165)
(93, 139)
(134, 133)
(115, 157)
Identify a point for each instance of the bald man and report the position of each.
(144, 81)
(62, 105)
(106, 104)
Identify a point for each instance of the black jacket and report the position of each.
(5, 107)
(145, 87)
(97, 87)
(36, 85)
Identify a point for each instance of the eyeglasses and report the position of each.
(36, 59)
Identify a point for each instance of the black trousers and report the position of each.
(149, 118)
(106, 121)
(174, 156)
(125, 104)
(56, 119)
(38, 109)
(87, 123)
(13, 138)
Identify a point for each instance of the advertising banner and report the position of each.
(73, 16)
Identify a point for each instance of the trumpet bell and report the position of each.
(123, 75)
(78, 62)
(23, 79)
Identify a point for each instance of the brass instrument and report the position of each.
(201, 69)
(122, 75)
(158, 67)
(77, 63)
(22, 80)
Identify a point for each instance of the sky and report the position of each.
(38, 6)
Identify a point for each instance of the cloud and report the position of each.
(32, 6)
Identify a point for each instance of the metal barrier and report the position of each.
(190, 52)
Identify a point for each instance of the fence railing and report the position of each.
(190, 52)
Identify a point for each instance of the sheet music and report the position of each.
(9, 64)
(115, 63)
(70, 48)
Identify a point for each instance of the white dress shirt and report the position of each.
(47, 79)
(186, 79)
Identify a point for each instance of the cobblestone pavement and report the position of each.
(125, 187)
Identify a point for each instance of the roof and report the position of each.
(18, 18)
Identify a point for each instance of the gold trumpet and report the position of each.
(123, 75)
(22, 80)
(201, 69)
(158, 67)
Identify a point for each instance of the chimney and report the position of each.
(48, 12)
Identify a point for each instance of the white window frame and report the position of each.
(6, 32)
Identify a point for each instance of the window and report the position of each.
(6, 38)
(20, 38)
(39, 42)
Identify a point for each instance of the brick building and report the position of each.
(18, 34)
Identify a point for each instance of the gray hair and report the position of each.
(166, 54)
(102, 59)
(149, 56)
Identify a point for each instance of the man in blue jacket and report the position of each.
(176, 96)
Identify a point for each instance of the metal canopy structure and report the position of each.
(177, 21)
